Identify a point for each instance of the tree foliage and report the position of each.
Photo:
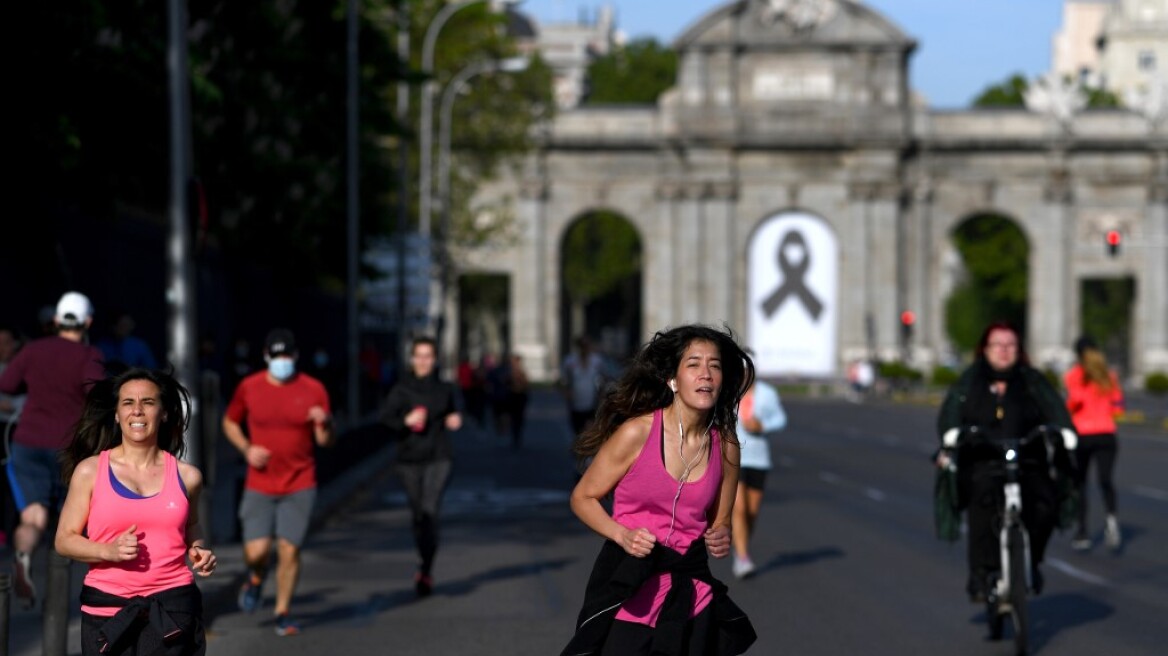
(996, 255)
(268, 112)
(600, 252)
(1012, 92)
(635, 73)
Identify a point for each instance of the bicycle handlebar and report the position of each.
(975, 435)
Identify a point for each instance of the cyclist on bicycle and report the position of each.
(1003, 396)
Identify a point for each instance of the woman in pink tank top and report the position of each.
(663, 449)
(131, 514)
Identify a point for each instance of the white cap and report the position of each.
(74, 309)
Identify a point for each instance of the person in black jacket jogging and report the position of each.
(420, 410)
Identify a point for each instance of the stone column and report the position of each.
(1051, 264)
(662, 252)
(534, 285)
(717, 251)
(1152, 297)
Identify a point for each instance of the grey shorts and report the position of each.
(284, 516)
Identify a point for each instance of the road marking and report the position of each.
(1150, 492)
(481, 501)
(1074, 572)
(828, 477)
(874, 494)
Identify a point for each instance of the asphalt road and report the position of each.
(848, 561)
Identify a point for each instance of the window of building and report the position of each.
(1147, 60)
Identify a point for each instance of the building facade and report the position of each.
(789, 188)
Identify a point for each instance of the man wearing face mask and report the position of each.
(287, 414)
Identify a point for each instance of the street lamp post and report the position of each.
(425, 136)
(445, 119)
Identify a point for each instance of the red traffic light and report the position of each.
(908, 317)
(1113, 240)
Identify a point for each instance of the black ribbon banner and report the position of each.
(793, 283)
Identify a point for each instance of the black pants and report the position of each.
(1039, 513)
(424, 483)
(580, 419)
(1103, 449)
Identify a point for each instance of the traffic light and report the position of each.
(1114, 239)
(907, 319)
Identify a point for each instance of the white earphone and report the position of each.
(673, 385)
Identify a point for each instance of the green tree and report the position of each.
(1011, 93)
(1004, 94)
(996, 256)
(601, 252)
(635, 73)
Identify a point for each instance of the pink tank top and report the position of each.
(645, 498)
(162, 547)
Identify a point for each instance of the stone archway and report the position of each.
(600, 273)
(990, 278)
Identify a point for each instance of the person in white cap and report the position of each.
(56, 372)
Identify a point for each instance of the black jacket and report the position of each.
(616, 576)
(431, 444)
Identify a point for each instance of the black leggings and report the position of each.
(424, 482)
(1103, 449)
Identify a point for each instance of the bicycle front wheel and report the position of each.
(1018, 591)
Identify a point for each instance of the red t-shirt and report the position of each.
(277, 419)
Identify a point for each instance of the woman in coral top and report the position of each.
(663, 450)
(1094, 399)
(131, 514)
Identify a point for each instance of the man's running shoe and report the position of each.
(1111, 535)
(250, 595)
(1037, 583)
(1081, 542)
(743, 567)
(23, 585)
(286, 626)
(423, 585)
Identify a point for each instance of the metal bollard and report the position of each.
(55, 627)
(5, 608)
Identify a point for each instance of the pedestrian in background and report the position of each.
(759, 413)
(10, 407)
(56, 372)
(419, 410)
(1094, 399)
(663, 446)
(131, 514)
(582, 375)
(287, 414)
(124, 346)
(518, 387)
(472, 386)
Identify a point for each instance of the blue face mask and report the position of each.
(281, 368)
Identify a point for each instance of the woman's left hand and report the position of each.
(203, 560)
(718, 541)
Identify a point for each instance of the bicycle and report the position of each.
(1008, 587)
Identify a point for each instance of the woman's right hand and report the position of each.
(637, 542)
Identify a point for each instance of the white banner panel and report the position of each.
(793, 290)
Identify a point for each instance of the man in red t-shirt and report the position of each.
(287, 414)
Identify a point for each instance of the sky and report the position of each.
(963, 46)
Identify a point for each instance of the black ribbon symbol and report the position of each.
(793, 279)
